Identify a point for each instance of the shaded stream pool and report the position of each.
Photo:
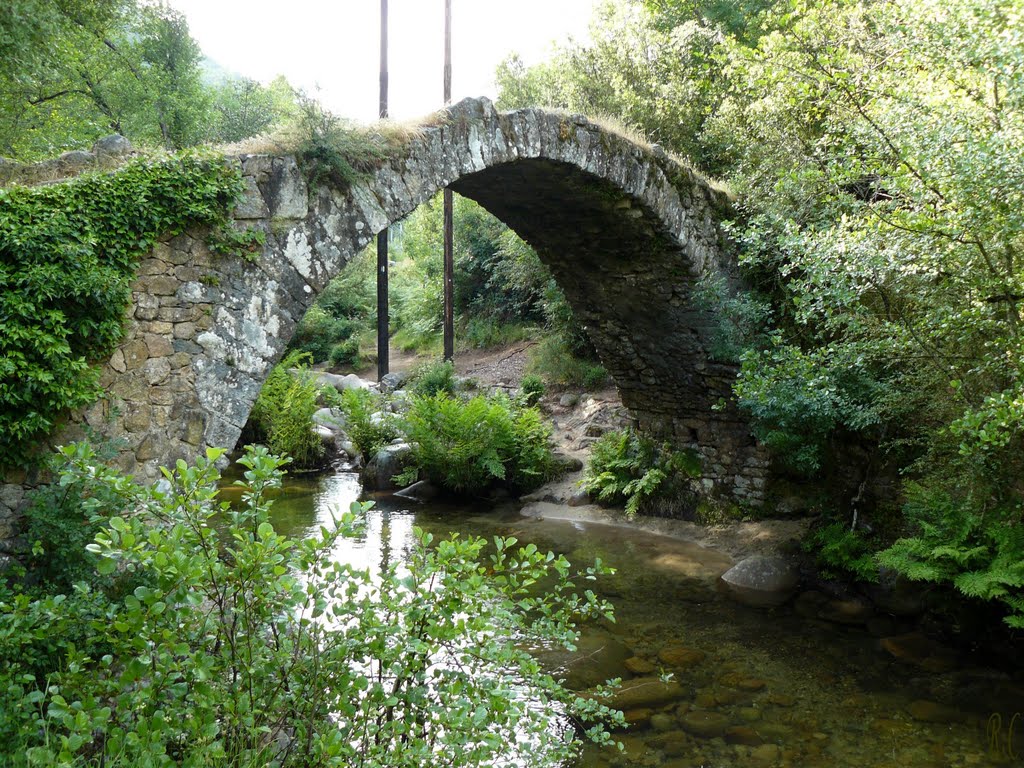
(756, 687)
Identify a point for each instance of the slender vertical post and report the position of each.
(449, 258)
(382, 238)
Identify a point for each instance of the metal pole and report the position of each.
(449, 248)
(382, 238)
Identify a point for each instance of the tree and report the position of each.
(213, 639)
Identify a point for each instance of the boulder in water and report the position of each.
(378, 475)
(762, 581)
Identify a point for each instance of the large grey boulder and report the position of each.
(77, 160)
(341, 383)
(392, 381)
(388, 462)
(332, 418)
(762, 581)
(113, 146)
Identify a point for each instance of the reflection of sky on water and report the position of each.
(386, 538)
(308, 504)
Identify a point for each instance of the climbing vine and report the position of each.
(68, 253)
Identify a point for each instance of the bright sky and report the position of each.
(335, 45)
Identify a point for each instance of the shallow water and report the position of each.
(764, 688)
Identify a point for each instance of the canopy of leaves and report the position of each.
(74, 70)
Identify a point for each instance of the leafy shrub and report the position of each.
(840, 550)
(243, 647)
(368, 431)
(629, 469)
(68, 254)
(532, 387)
(319, 332)
(554, 360)
(334, 151)
(797, 401)
(345, 353)
(241, 243)
(283, 412)
(968, 540)
(62, 518)
(492, 333)
(467, 446)
(433, 378)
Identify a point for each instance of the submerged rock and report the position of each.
(705, 724)
(680, 657)
(644, 692)
(932, 712)
(921, 651)
(599, 656)
(762, 581)
(419, 491)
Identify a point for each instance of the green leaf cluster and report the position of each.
(627, 468)
(467, 446)
(238, 646)
(68, 254)
(282, 415)
(367, 422)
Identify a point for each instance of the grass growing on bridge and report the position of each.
(68, 253)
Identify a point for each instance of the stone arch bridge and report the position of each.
(625, 230)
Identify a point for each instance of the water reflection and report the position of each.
(758, 688)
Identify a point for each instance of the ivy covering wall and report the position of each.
(68, 254)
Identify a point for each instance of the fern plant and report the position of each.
(467, 446)
(629, 469)
(366, 421)
(283, 412)
(959, 541)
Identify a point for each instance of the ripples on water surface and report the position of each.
(757, 688)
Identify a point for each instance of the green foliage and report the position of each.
(283, 412)
(319, 332)
(334, 151)
(73, 71)
(244, 243)
(964, 537)
(433, 378)
(330, 329)
(842, 551)
(241, 647)
(627, 468)
(553, 360)
(466, 446)
(798, 401)
(63, 517)
(532, 387)
(68, 253)
(490, 333)
(345, 352)
(113, 66)
(367, 421)
(242, 108)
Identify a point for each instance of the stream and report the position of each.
(758, 687)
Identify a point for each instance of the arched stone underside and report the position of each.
(625, 230)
